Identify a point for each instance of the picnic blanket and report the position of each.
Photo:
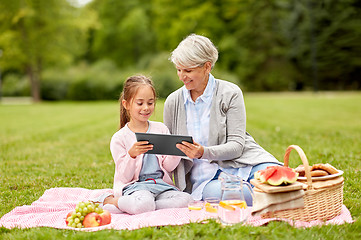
(50, 210)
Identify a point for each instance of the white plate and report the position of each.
(340, 172)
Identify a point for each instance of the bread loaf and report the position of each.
(325, 167)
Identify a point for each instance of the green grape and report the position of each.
(90, 208)
(70, 221)
(96, 204)
(78, 214)
(73, 225)
(85, 210)
(97, 209)
(77, 220)
(79, 225)
(76, 208)
(81, 218)
(81, 205)
(73, 214)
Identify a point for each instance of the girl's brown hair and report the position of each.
(130, 88)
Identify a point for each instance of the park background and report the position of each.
(297, 62)
(63, 50)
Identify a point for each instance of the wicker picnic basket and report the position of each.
(323, 203)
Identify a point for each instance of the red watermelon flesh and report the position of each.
(278, 175)
(266, 174)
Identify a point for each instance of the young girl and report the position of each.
(142, 182)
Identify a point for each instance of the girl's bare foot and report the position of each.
(111, 200)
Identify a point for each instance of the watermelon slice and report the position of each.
(267, 174)
(277, 175)
(257, 174)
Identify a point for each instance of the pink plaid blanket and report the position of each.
(50, 210)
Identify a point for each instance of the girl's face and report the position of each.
(194, 79)
(141, 106)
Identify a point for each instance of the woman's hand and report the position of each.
(194, 150)
(140, 148)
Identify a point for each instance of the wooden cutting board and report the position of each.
(275, 189)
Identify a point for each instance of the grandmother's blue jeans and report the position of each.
(213, 188)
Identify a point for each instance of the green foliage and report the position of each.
(125, 34)
(174, 20)
(15, 85)
(37, 34)
(273, 45)
(66, 144)
(162, 72)
(99, 81)
(104, 81)
(325, 42)
(267, 44)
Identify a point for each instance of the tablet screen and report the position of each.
(164, 144)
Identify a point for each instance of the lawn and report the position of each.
(66, 144)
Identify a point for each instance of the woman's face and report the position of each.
(194, 79)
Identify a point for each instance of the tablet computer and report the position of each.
(164, 144)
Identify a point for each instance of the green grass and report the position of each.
(66, 144)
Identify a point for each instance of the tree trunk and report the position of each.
(33, 74)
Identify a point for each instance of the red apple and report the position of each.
(92, 220)
(106, 217)
(66, 219)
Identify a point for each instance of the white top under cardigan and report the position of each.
(198, 115)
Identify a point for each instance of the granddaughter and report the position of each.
(142, 182)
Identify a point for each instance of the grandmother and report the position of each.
(213, 112)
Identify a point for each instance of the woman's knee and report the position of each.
(212, 189)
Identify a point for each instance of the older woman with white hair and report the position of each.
(213, 112)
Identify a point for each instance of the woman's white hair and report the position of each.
(194, 51)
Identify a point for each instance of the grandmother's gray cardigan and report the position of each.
(229, 145)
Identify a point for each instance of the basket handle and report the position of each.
(304, 161)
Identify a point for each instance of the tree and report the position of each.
(37, 34)
(325, 41)
(125, 33)
(174, 20)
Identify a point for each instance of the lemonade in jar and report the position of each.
(233, 207)
(232, 212)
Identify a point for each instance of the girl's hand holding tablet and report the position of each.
(140, 148)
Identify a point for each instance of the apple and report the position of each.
(67, 216)
(92, 220)
(106, 217)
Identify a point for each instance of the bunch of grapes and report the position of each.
(75, 218)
